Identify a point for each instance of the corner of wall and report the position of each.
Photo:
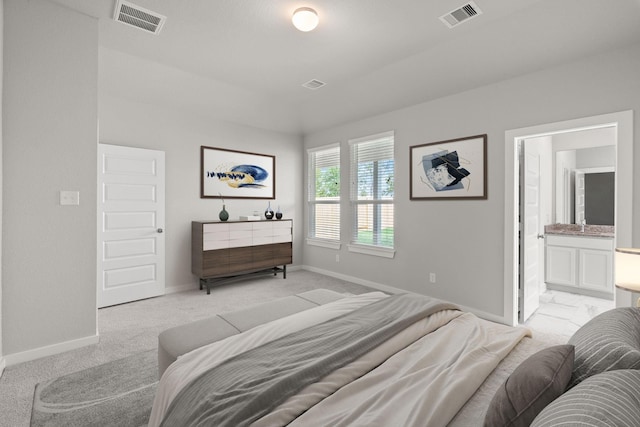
(2, 361)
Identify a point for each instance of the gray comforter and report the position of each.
(246, 387)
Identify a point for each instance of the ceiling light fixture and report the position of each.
(305, 19)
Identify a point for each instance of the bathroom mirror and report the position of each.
(585, 186)
(594, 201)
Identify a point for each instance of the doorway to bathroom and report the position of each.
(544, 201)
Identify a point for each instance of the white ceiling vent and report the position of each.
(136, 16)
(314, 84)
(461, 14)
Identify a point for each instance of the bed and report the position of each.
(370, 359)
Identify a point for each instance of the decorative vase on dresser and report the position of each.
(223, 215)
(269, 212)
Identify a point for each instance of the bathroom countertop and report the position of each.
(576, 230)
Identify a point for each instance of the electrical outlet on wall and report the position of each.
(432, 277)
(337, 257)
(69, 197)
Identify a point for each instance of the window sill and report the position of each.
(329, 244)
(372, 250)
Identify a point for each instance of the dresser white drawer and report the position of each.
(282, 239)
(240, 226)
(262, 225)
(282, 232)
(215, 227)
(263, 233)
(285, 223)
(264, 240)
(215, 235)
(240, 234)
(239, 243)
(211, 245)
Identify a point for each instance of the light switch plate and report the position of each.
(69, 197)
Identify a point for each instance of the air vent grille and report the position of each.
(314, 84)
(461, 14)
(136, 16)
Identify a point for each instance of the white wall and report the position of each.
(463, 241)
(1, 174)
(564, 160)
(180, 134)
(596, 157)
(584, 139)
(50, 134)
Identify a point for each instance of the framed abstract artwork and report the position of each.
(232, 174)
(452, 169)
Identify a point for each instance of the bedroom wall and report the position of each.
(584, 139)
(180, 134)
(462, 241)
(2, 362)
(50, 133)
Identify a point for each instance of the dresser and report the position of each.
(224, 250)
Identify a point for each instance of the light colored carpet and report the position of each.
(118, 394)
(132, 328)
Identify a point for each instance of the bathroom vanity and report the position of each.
(579, 259)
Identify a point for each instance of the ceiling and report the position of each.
(243, 61)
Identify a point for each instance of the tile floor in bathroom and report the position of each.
(562, 313)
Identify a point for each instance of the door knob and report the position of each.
(540, 236)
(160, 230)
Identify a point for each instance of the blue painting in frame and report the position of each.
(236, 174)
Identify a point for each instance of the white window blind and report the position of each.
(372, 181)
(324, 192)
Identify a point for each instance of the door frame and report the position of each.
(623, 121)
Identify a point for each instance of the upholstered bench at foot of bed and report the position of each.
(182, 339)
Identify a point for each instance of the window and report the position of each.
(324, 193)
(372, 179)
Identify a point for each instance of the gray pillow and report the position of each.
(603, 400)
(534, 384)
(609, 341)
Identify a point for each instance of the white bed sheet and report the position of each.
(433, 368)
(191, 365)
(425, 384)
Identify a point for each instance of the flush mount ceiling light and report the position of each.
(305, 19)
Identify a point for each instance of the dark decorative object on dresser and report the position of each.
(223, 215)
(268, 213)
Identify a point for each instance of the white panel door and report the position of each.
(531, 248)
(130, 224)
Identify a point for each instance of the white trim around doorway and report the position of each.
(624, 189)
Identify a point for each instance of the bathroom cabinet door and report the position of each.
(561, 266)
(596, 270)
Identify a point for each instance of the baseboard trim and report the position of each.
(357, 280)
(50, 350)
(391, 290)
(180, 288)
